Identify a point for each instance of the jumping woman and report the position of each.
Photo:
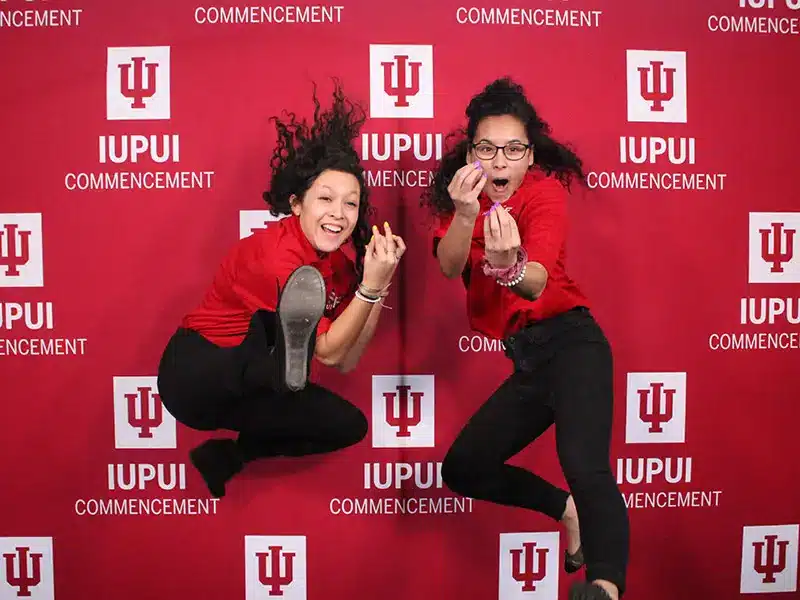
(310, 286)
(500, 196)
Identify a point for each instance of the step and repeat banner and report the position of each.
(134, 152)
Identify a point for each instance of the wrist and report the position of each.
(506, 274)
(466, 217)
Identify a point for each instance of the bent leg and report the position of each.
(311, 421)
(475, 465)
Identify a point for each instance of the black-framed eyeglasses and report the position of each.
(512, 151)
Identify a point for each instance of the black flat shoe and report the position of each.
(586, 591)
(300, 308)
(573, 562)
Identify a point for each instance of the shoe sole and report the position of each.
(587, 591)
(301, 307)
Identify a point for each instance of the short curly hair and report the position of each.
(304, 150)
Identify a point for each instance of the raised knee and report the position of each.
(360, 427)
(458, 474)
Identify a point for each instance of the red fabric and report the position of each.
(256, 268)
(540, 209)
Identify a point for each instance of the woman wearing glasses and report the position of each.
(500, 197)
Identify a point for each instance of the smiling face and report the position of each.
(328, 211)
(507, 168)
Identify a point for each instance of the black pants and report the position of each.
(208, 387)
(562, 374)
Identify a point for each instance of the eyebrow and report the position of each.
(508, 142)
(326, 188)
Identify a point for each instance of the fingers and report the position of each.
(479, 186)
(401, 245)
(494, 223)
(380, 243)
(471, 181)
(460, 175)
(503, 219)
(391, 246)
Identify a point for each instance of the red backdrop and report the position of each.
(121, 194)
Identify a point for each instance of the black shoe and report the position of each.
(300, 308)
(217, 461)
(584, 590)
(573, 562)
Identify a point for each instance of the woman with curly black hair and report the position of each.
(309, 286)
(500, 198)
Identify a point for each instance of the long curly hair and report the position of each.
(501, 97)
(304, 150)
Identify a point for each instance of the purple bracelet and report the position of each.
(509, 274)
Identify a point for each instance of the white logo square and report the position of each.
(275, 566)
(656, 86)
(774, 247)
(769, 559)
(656, 408)
(26, 568)
(21, 250)
(403, 411)
(140, 419)
(529, 566)
(400, 81)
(138, 84)
(251, 221)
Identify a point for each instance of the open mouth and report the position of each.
(500, 184)
(333, 230)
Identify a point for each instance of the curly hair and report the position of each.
(501, 97)
(304, 151)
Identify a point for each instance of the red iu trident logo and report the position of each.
(657, 95)
(410, 409)
(776, 256)
(18, 255)
(661, 406)
(146, 421)
(403, 89)
(271, 577)
(528, 575)
(138, 91)
(25, 580)
(770, 565)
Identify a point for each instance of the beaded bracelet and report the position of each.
(514, 273)
(517, 280)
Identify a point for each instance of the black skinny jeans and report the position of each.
(208, 387)
(563, 374)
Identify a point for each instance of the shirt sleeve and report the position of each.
(544, 229)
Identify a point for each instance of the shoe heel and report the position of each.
(301, 307)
